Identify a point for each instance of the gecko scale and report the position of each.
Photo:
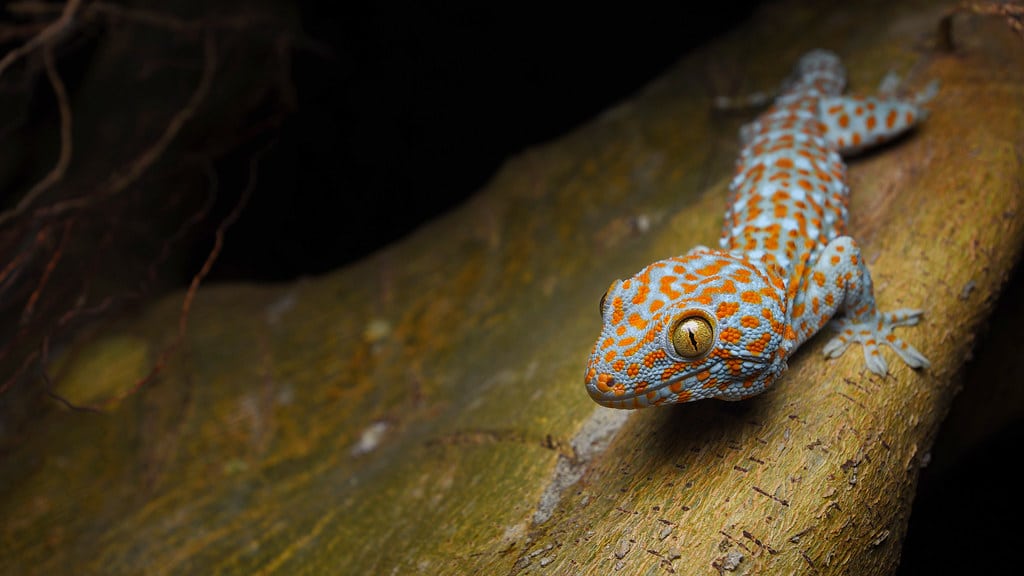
(722, 323)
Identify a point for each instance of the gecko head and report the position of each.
(709, 324)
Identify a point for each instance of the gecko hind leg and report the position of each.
(889, 85)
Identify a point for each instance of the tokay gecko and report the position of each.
(722, 323)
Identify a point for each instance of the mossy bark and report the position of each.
(423, 411)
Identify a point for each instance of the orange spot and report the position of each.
(829, 300)
(655, 306)
(890, 120)
(726, 309)
(909, 117)
(856, 138)
(617, 312)
(844, 121)
(621, 330)
(603, 381)
(798, 310)
(834, 259)
(735, 366)
(750, 322)
(619, 365)
(619, 389)
(683, 396)
(627, 341)
(710, 269)
(637, 321)
(610, 355)
(778, 328)
(819, 279)
(665, 287)
(731, 335)
(632, 371)
(751, 297)
(672, 370)
(652, 358)
(836, 109)
(641, 294)
(703, 375)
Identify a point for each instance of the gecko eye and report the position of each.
(693, 336)
(604, 299)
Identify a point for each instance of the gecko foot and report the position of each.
(871, 334)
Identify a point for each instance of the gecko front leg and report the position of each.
(839, 282)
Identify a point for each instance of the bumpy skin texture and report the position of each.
(722, 323)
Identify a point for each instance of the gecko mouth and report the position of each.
(757, 364)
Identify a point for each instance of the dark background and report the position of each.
(417, 107)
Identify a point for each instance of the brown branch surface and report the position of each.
(423, 410)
